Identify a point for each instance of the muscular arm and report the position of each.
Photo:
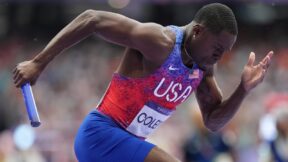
(216, 112)
(150, 39)
(113, 27)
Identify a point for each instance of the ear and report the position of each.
(197, 30)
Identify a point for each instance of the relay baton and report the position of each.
(30, 105)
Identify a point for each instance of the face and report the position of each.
(208, 48)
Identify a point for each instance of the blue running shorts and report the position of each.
(100, 139)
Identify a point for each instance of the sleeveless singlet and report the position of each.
(140, 105)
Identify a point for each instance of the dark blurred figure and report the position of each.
(204, 146)
(274, 129)
(279, 146)
(8, 118)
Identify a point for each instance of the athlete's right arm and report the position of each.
(148, 38)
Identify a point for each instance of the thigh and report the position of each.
(100, 140)
(159, 155)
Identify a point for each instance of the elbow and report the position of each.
(90, 16)
(213, 129)
(212, 126)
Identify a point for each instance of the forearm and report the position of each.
(216, 112)
(78, 29)
(221, 113)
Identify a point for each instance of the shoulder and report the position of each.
(156, 41)
(170, 38)
(164, 34)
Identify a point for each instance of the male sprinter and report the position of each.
(161, 67)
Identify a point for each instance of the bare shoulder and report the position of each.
(163, 32)
(149, 59)
(161, 40)
(153, 40)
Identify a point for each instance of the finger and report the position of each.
(260, 66)
(264, 60)
(251, 59)
(268, 64)
(14, 70)
(16, 74)
(20, 82)
(18, 77)
(263, 63)
(267, 60)
(270, 54)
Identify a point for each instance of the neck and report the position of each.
(186, 52)
(186, 55)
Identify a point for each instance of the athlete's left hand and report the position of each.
(252, 74)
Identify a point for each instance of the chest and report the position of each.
(134, 65)
(173, 83)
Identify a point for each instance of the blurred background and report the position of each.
(71, 86)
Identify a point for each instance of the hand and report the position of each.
(27, 71)
(252, 74)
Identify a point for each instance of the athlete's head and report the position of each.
(212, 32)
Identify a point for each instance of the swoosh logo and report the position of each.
(172, 68)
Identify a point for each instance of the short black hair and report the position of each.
(217, 17)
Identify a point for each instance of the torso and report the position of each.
(142, 97)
